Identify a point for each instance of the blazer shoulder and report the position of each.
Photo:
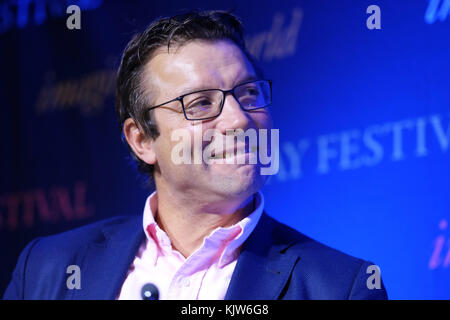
(94, 232)
(42, 265)
(306, 246)
(67, 246)
(326, 272)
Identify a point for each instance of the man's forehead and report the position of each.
(200, 65)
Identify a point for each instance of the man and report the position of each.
(204, 233)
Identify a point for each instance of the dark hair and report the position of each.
(131, 98)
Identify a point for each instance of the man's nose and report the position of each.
(232, 116)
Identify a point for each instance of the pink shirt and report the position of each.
(205, 274)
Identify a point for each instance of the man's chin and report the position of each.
(240, 184)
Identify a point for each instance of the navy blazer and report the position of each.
(276, 262)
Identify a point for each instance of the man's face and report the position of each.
(195, 66)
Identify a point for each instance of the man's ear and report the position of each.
(141, 145)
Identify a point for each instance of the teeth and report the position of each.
(230, 154)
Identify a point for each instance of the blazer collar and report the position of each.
(264, 264)
(107, 261)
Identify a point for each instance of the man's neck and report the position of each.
(188, 223)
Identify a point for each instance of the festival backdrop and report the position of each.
(362, 104)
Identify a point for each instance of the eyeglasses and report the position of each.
(208, 104)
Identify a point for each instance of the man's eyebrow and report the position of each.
(189, 89)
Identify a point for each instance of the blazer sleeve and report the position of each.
(16, 287)
(360, 289)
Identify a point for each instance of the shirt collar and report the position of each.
(225, 241)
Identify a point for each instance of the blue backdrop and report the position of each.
(364, 119)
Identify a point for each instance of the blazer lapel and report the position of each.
(262, 270)
(107, 261)
(263, 267)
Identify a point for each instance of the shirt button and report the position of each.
(185, 282)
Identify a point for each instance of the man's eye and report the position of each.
(252, 91)
(199, 105)
(249, 91)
